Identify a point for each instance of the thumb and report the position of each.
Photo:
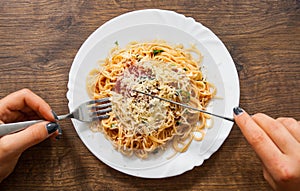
(20, 141)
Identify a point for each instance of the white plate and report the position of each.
(146, 25)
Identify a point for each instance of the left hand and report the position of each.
(20, 106)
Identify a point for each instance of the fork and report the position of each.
(88, 111)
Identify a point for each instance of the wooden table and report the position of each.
(39, 40)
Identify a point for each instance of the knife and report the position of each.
(184, 105)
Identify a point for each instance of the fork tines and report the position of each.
(103, 100)
(99, 108)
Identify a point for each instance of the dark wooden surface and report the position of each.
(39, 40)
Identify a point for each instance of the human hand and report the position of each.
(277, 144)
(19, 106)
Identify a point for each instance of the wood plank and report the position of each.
(39, 40)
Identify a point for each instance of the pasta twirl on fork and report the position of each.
(141, 124)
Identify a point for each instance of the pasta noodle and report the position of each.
(139, 124)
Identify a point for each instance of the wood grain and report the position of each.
(39, 40)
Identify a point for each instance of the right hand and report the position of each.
(277, 144)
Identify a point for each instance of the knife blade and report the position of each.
(184, 105)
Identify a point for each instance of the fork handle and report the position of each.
(14, 127)
(9, 128)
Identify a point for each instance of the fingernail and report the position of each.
(238, 110)
(54, 115)
(52, 127)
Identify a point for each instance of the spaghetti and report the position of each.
(141, 124)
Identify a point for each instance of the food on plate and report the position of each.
(139, 124)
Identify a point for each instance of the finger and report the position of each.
(24, 98)
(256, 137)
(269, 178)
(18, 142)
(277, 132)
(292, 126)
